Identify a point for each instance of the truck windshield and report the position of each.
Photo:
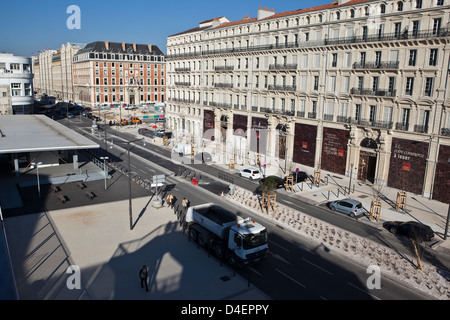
(254, 240)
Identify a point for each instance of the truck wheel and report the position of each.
(201, 240)
(231, 259)
(193, 234)
(218, 250)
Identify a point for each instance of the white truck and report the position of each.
(240, 241)
(182, 149)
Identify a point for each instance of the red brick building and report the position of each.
(119, 73)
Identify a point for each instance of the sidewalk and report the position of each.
(332, 186)
(95, 235)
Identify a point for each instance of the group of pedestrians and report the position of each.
(170, 200)
(143, 273)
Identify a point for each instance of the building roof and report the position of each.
(121, 47)
(334, 4)
(36, 133)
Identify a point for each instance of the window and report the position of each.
(397, 29)
(357, 112)
(412, 57)
(405, 119)
(440, 2)
(436, 26)
(429, 86)
(433, 57)
(372, 114)
(415, 30)
(332, 84)
(383, 8)
(391, 86)
(16, 89)
(400, 6)
(418, 4)
(334, 60)
(409, 86)
(316, 82)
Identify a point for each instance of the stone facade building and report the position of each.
(16, 85)
(353, 87)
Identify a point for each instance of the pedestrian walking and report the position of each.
(185, 203)
(143, 274)
(169, 200)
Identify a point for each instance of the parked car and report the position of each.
(351, 207)
(135, 120)
(251, 173)
(278, 181)
(411, 229)
(203, 157)
(298, 177)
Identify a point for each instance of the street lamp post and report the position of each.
(104, 168)
(130, 209)
(37, 174)
(106, 141)
(350, 182)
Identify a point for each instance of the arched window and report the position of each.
(400, 6)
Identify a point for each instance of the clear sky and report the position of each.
(27, 26)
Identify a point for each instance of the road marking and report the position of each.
(279, 246)
(315, 265)
(280, 258)
(290, 278)
(253, 270)
(362, 290)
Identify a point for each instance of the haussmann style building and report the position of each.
(356, 87)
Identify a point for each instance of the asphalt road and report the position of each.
(295, 268)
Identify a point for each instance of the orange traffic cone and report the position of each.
(222, 194)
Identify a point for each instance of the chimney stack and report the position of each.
(107, 45)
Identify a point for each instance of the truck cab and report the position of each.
(248, 241)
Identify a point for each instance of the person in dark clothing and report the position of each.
(143, 274)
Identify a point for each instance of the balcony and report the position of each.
(386, 65)
(421, 128)
(445, 132)
(182, 69)
(274, 87)
(223, 85)
(312, 115)
(224, 68)
(376, 37)
(372, 92)
(183, 84)
(401, 126)
(365, 122)
(301, 114)
(328, 117)
(283, 67)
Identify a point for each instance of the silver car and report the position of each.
(351, 207)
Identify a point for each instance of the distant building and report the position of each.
(119, 73)
(53, 72)
(16, 85)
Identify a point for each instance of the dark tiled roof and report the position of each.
(117, 47)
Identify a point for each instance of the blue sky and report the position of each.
(28, 26)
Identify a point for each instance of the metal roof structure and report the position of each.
(37, 133)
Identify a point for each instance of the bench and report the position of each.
(55, 189)
(90, 194)
(62, 198)
(81, 185)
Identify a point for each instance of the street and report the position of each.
(296, 268)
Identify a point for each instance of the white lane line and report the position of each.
(319, 267)
(254, 271)
(362, 290)
(279, 246)
(290, 278)
(280, 258)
